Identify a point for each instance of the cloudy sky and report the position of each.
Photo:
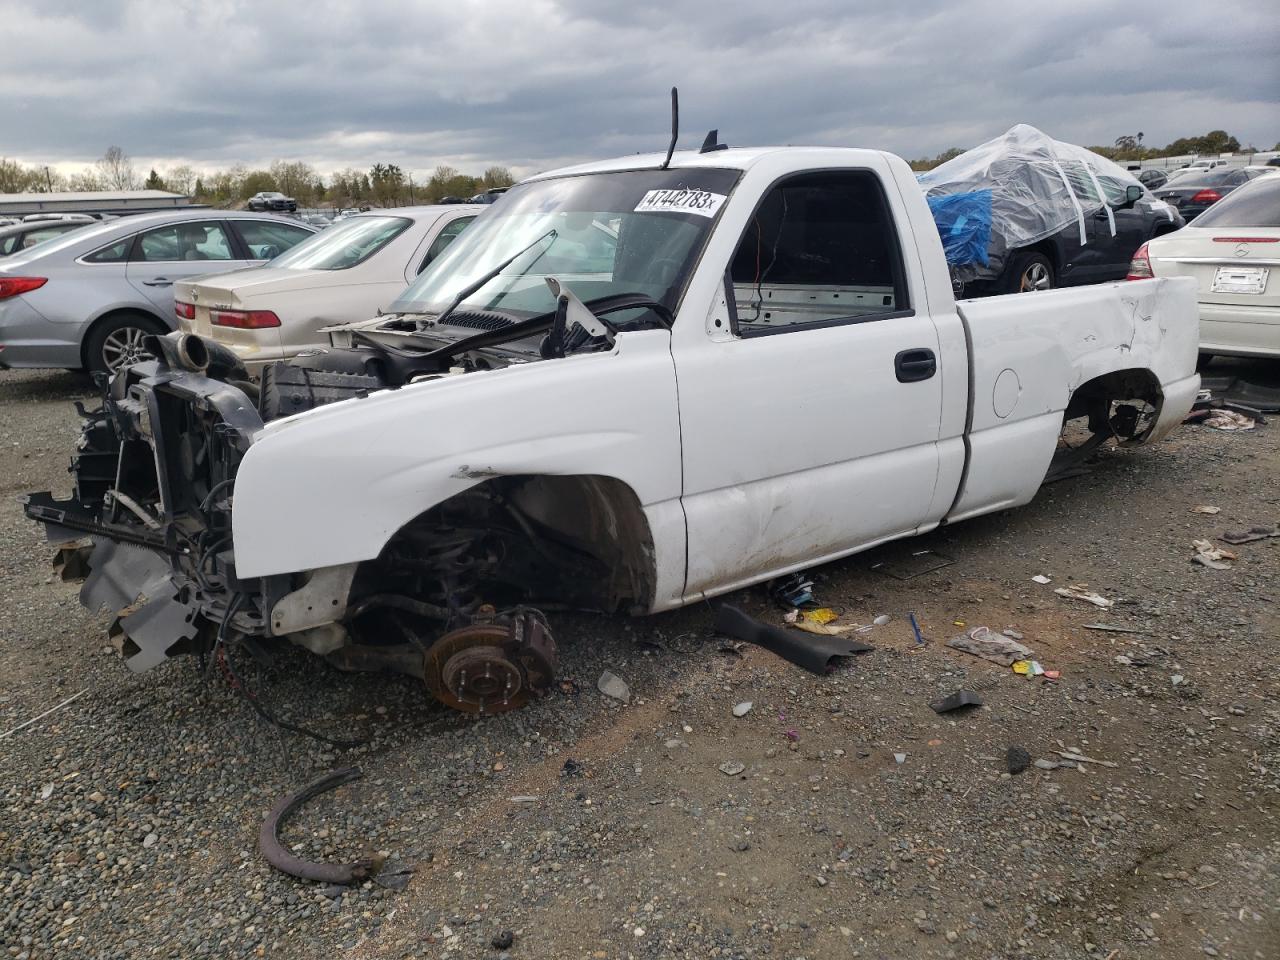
(534, 83)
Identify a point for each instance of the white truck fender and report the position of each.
(331, 486)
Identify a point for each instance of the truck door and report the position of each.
(810, 408)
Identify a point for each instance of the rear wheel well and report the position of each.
(1124, 404)
(125, 312)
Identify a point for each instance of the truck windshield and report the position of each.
(635, 231)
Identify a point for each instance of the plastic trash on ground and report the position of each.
(1016, 190)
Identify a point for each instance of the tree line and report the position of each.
(382, 185)
(1129, 147)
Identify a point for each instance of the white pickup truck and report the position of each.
(629, 385)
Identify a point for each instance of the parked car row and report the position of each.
(343, 274)
(1194, 193)
(87, 299)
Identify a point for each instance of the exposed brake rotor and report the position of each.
(492, 667)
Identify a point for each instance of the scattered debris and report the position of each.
(1017, 759)
(823, 629)
(1080, 593)
(503, 940)
(526, 798)
(913, 564)
(1205, 509)
(1222, 419)
(1236, 390)
(572, 768)
(1215, 558)
(612, 685)
(46, 792)
(1237, 537)
(1047, 764)
(956, 701)
(1011, 633)
(1112, 628)
(731, 768)
(1177, 679)
(1027, 668)
(881, 620)
(916, 628)
(40, 716)
(1041, 578)
(793, 591)
(283, 859)
(900, 758)
(981, 642)
(814, 653)
(1081, 758)
(742, 709)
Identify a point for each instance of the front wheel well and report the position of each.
(580, 541)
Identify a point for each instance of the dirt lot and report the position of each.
(861, 822)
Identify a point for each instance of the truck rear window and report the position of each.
(821, 248)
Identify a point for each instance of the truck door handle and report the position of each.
(158, 282)
(912, 366)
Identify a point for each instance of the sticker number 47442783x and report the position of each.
(681, 200)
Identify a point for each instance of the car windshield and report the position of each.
(343, 245)
(603, 234)
(1257, 205)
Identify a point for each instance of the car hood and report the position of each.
(252, 282)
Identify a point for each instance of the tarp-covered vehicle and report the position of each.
(1026, 212)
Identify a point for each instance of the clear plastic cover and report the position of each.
(1037, 186)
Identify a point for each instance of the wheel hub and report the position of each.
(491, 667)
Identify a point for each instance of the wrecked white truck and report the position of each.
(629, 385)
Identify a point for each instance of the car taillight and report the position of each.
(12, 286)
(244, 319)
(1140, 265)
(1246, 239)
(185, 311)
(1207, 196)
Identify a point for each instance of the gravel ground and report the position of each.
(861, 823)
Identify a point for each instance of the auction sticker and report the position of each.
(681, 200)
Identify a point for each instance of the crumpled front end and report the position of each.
(149, 528)
(149, 519)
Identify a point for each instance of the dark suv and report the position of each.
(269, 200)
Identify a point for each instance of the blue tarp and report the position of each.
(964, 222)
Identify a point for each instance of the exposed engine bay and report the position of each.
(456, 598)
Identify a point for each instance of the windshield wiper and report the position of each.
(473, 287)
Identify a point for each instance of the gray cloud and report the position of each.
(533, 83)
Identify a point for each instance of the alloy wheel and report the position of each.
(1036, 277)
(123, 348)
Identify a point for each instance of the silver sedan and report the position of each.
(87, 300)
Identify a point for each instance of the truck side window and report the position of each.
(821, 249)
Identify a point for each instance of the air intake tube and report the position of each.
(188, 351)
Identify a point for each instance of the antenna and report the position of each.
(712, 143)
(675, 127)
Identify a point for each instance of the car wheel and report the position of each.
(118, 343)
(1028, 272)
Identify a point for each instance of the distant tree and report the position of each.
(388, 184)
(181, 179)
(447, 182)
(496, 177)
(256, 181)
(198, 189)
(928, 163)
(116, 171)
(296, 179)
(154, 182)
(1215, 141)
(86, 180)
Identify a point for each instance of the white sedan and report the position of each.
(1233, 252)
(343, 274)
